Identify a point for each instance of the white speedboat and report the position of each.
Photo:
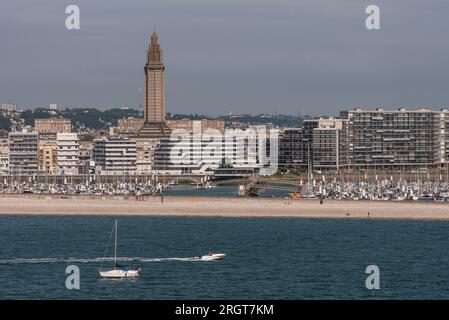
(213, 256)
(123, 271)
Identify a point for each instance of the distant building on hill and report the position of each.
(53, 125)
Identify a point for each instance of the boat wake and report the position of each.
(93, 260)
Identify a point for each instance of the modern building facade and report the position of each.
(368, 139)
(235, 150)
(392, 138)
(316, 145)
(291, 150)
(115, 155)
(444, 136)
(4, 157)
(68, 153)
(23, 148)
(325, 143)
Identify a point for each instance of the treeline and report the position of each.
(87, 117)
(92, 118)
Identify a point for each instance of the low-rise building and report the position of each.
(192, 126)
(129, 125)
(52, 126)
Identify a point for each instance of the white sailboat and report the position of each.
(124, 272)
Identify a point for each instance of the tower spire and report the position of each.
(154, 91)
(154, 50)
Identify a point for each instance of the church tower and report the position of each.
(154, 92)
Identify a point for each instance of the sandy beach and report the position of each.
(225, 207)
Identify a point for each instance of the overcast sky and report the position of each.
(221, 56)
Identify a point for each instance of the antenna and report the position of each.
(140, 100)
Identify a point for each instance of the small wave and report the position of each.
(167, 259)
(92, 260)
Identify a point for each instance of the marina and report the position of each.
(325, 187)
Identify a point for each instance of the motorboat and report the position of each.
(212, 256)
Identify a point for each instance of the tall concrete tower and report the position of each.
(154, 93)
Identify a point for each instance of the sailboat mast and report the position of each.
(115, 247)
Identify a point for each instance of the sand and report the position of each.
(225, 207)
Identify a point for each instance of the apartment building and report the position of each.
(236, 150)
(68, 153)
(388, 138)
(326, 148)
(321, 143)
(291, 150)
(115, 155)
(23, 148)
(4, 157)
(444, 136)
(47, 156)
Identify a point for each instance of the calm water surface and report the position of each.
(266, 257)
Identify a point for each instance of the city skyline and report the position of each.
(309, 58)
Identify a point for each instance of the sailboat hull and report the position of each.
(119, 274)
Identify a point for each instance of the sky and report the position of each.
(242, 56)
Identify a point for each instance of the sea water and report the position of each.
(266, 258)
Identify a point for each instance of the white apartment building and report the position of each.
(115, 156)
(208, 152)
(68, 153)
(4, 157)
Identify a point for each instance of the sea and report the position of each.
(266, 258)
